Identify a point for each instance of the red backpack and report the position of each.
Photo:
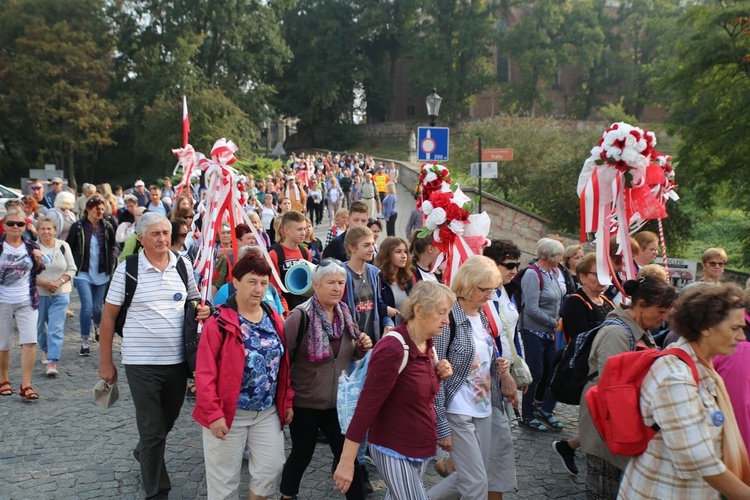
(615, 402)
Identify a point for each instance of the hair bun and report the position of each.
(631, 286)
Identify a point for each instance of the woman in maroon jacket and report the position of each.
(396, 393)
(243, 388)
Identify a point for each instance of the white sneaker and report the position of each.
(44, 360)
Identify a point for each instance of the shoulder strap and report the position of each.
(452, 328)
(540, 275)
(305, 252)
(280, 257)
(303, 324)
(182, 271)
(131, 279)
(684, 356)
(404, 345)
(583, 299)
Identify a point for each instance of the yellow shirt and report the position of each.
(380, 181)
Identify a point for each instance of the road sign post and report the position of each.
(433, 143)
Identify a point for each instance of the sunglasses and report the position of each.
(713, 263)
(35, 188)
(183, 234)
(330, 260)
(189, 216)
(13, 223)
(510, 265)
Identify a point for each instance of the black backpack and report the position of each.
(571, 372)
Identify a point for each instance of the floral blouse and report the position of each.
(263, 353)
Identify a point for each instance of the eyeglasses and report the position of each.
(14, 223)
(330, 260)
(713, 263)
(487, 290)
(510, 265)
(35, 188)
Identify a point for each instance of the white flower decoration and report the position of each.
(431, 176)
(437, 216)
(426, 208)
(457, 227)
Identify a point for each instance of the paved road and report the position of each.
(66, 447)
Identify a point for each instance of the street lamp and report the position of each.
(267, 127)
(433, 106)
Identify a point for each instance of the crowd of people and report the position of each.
(450, 367)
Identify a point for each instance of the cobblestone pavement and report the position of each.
(66, 447)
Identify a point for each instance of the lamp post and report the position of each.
(433, 106)
(267, 124)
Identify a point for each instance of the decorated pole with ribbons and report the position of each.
(223, 204)
(455, 231)
(622, 185)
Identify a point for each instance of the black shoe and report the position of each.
(567, 456)
(366, 485)
(137, 455)
(85, 351)
(96, 333)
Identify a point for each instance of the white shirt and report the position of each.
(473, 398)
(15, 267)
(152, 334)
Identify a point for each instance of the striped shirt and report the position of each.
(152, 334)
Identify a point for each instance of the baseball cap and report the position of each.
(56, 180)
(139, 183)
(105, 395)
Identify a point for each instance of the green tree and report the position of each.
(55, 70)
(646, 31)
(387, 29)
(709, 89)
(318, 84)
(451, 51)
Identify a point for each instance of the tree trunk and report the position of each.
(71, 170)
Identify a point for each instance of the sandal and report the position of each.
(533, 424)
(28, 393)
(549, 419)
(5, 388)
(190, 391)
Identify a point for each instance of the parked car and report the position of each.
(6, 194)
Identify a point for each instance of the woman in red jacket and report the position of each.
(243, 389)
(395, 393)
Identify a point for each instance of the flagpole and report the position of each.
(185, 122)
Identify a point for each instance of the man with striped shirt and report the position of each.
(152, 345)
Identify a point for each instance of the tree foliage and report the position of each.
(451, 51)
(55, 70)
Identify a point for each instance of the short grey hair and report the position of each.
(243, 251)
(65, 200)
(129, 198)
(323, 271)
(149, 219)
(47, 218)
(547, 249)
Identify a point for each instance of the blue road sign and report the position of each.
(432, 143)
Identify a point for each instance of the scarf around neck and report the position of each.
(320, 330)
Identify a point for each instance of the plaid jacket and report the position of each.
(460, 353)
(35, 270)
(688, 446)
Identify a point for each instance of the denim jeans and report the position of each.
(50, 327)
(539, 355)
(92, 301)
